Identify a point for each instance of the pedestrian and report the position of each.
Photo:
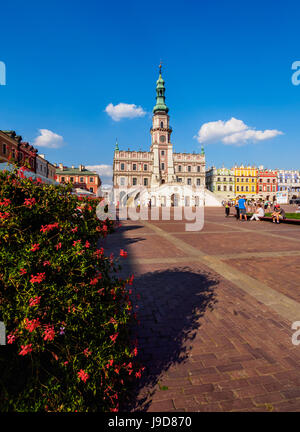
(259, 213)
(242, 207)
(278, 214)
(227, 209)
(237, 215)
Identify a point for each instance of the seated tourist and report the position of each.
(278, 214)
(259, 213)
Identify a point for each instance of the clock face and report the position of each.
(162, 138)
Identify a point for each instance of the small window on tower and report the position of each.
(162, 152)
(161, 124)
(162, 166)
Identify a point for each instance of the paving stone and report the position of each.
(216, 332)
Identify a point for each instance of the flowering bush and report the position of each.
(66, 312)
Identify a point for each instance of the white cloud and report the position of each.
(48, 139)
(233, 132)
(123, 110)
(105, 172)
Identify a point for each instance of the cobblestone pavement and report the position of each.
(215, 313)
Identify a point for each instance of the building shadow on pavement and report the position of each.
(170, 306)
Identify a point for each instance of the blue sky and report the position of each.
(66, 61)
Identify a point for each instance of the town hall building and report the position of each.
(171, 179)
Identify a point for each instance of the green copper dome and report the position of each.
(160, 95)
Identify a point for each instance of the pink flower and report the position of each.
(31, 325)
(74, 230)
(49, 334)
(26, 349)
(94, 281)
(38, 278)
(86, 352)
(23, 271)
(75, 242)
(87, 244)
(83, 375)
(114, 337)
(11, 338)
(4, 215)
(58, 246)
(29, 202)
(130, 280)
(5, 202)
(46, 263)
(110, 363)
(35, 247)
(123, 253)
(34, 301)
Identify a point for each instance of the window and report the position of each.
(145, 167)
(230, 179)
(62, 179)
(230, 188)
(224, 188)
(219, 179)
(198, 182)
(247, 180)
(91, 189)
(161, 124)
(237, 188)
(4, 149)
(219, 188)
(247, 188)
(72, 179)
(134, 167)
(237, 179)
(81, 180)
(91, 179)
(162, 166)
(260, 188)
(189, 168)
(122, 181)
(242, 188)
(134, 181)
(253, 180)
(145, 182)
(122, 167)
(268, 180)
(189, 181)
(253, 189)
(198, 168)
(179, 168)
(162, 152)
(224, 179)
(13, 153)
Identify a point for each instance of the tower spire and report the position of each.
(160, 94)
(116, 145)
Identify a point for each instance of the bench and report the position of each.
(287, 220)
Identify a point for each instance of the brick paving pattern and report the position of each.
(208, 342)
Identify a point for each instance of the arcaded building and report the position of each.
(161, 168)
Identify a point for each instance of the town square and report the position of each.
(150, 210)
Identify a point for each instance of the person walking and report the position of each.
(237, 215)
(242, 208)
(227, 209)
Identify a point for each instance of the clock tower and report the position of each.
(163, 168)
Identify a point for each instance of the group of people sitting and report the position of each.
(241, 211)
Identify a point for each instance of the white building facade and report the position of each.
(170, 179)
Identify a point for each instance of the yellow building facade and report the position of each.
(245, 180)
